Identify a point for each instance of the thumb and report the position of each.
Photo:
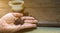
(11, 17)
(17, 14)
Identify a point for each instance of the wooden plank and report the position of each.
(42, 3)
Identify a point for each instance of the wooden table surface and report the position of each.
(45, 30)
(42, 30)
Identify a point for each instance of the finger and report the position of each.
(31, 21)
(27, 25)
(17, 14)
(27, 18)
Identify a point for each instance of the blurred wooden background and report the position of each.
(43, 10)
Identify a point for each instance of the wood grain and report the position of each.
(43, 10)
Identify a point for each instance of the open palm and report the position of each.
(7, 22)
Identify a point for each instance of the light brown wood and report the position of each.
(4, 8)
(43, 10)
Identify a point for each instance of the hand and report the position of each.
(7, 22)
